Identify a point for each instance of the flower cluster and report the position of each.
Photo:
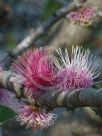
(41, 72)
(83, 16)
(37, 73)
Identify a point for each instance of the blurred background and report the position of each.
(17, 18)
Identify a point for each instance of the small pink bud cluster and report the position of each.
(83, 16)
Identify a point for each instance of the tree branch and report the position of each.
(54, 99)
(76, 98)
(38, 32)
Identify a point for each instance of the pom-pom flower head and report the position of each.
(35, 118)
(35, 70)
(77, 70)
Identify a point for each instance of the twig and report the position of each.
(76, 98)
(38, 32)
(53, 99)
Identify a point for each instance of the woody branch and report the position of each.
(39, 31)
(35, 35)
(54, 99)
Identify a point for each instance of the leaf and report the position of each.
(98, 112)
(6, 114)
(98, 84)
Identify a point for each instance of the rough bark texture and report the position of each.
(54, 99)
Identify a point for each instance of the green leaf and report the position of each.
(6, 114)
(98, 112)
(98, 84)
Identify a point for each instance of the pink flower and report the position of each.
(77, 70)
(9, 99)
(83, 16)
(36, 71)
(35, 117)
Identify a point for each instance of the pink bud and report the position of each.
(83, 16)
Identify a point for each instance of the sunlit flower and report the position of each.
(35, 117)
(36, 71)
(8, 99)
(77, 69)
(83, 16)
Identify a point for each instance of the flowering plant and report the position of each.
(40, 72)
